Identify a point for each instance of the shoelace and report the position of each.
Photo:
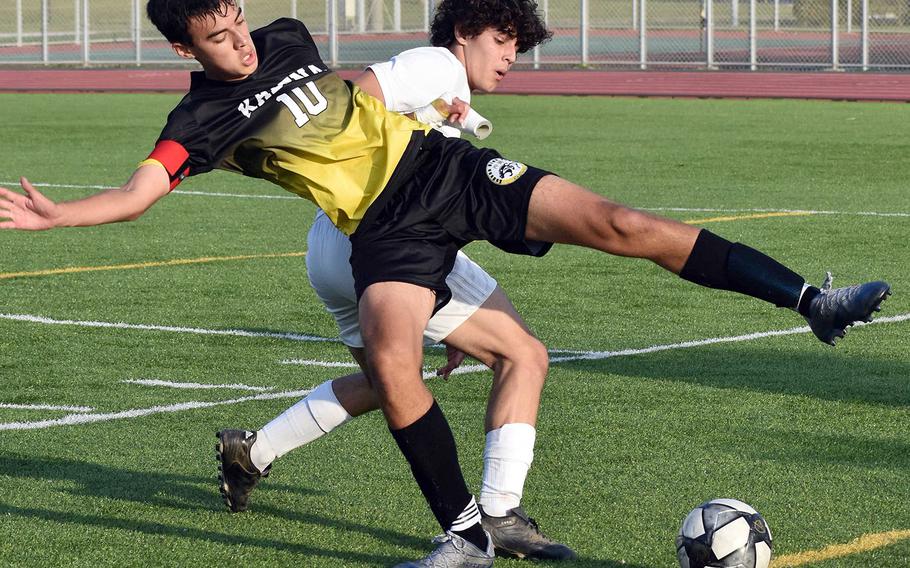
(531, 522)
(444, 538)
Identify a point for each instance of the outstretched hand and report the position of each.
(454, 358)
(31, 211)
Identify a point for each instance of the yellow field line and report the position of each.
(755, 216)
(184, 261)
(175, 262)
(864, 543)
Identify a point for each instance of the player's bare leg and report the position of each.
(498, 337)
(393, 316)
(563, 212)
(495, 335)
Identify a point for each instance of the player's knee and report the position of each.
(387, 362)
(617, 224)
(529, 361)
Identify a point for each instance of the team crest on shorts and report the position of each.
(503, 172)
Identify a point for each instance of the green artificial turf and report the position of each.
(817, 439)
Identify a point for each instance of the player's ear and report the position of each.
(183, 50)
(460, 38)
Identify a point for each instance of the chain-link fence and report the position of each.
(752, 34)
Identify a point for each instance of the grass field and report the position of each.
(817, 439)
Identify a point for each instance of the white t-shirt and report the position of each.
(416, 77)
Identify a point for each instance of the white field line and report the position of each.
(795, 211)
(73, 419)
(195, 330)
(317, 363)
(598, 355)
(46, 407)
(193, 386)
(427, 373)
(676, 209)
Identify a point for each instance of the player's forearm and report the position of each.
(110, 206)
(147, 185)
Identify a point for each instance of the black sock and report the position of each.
(717, 263)
(429, 447)
(804, 302)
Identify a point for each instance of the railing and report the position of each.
(707, 34)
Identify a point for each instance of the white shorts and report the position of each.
(329, 269)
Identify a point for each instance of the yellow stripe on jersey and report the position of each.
(150, 162)
(341, 157)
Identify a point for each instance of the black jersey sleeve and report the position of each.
(183, 147)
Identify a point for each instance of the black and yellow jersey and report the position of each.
(294, 123)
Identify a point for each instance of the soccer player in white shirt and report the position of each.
(475, 44)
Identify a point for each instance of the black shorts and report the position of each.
(448, 195)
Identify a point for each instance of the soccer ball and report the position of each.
(724, 533)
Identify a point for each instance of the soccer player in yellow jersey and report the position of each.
(265, 105)
(469, 52)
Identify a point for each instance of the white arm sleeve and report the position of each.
(417, 77)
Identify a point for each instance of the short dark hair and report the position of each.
(518, 18)
(172, 17)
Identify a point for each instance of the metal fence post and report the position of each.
(545, 6)
(45, 54)
(77, 17)
(427, 11)
(753, 39)
(333, 33)
(734, 13)
(634, 14)
(361, 16)
(835, 48)
(19, 23)
(396, 15)
(137, 30)
(583, 32)
(294, 9)
(709, 33)
(86, 35)
(643, 34)
(777, 15)
(865, 38)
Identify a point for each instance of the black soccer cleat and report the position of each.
(834, 310)
(517, 535)
(237, 476)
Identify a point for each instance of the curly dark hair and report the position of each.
(172, 17)
(518, 18)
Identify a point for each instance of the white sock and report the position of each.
(506, 460)
(317, 414)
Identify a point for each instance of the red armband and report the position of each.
(174, 158)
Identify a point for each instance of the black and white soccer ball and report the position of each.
(724, 533)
